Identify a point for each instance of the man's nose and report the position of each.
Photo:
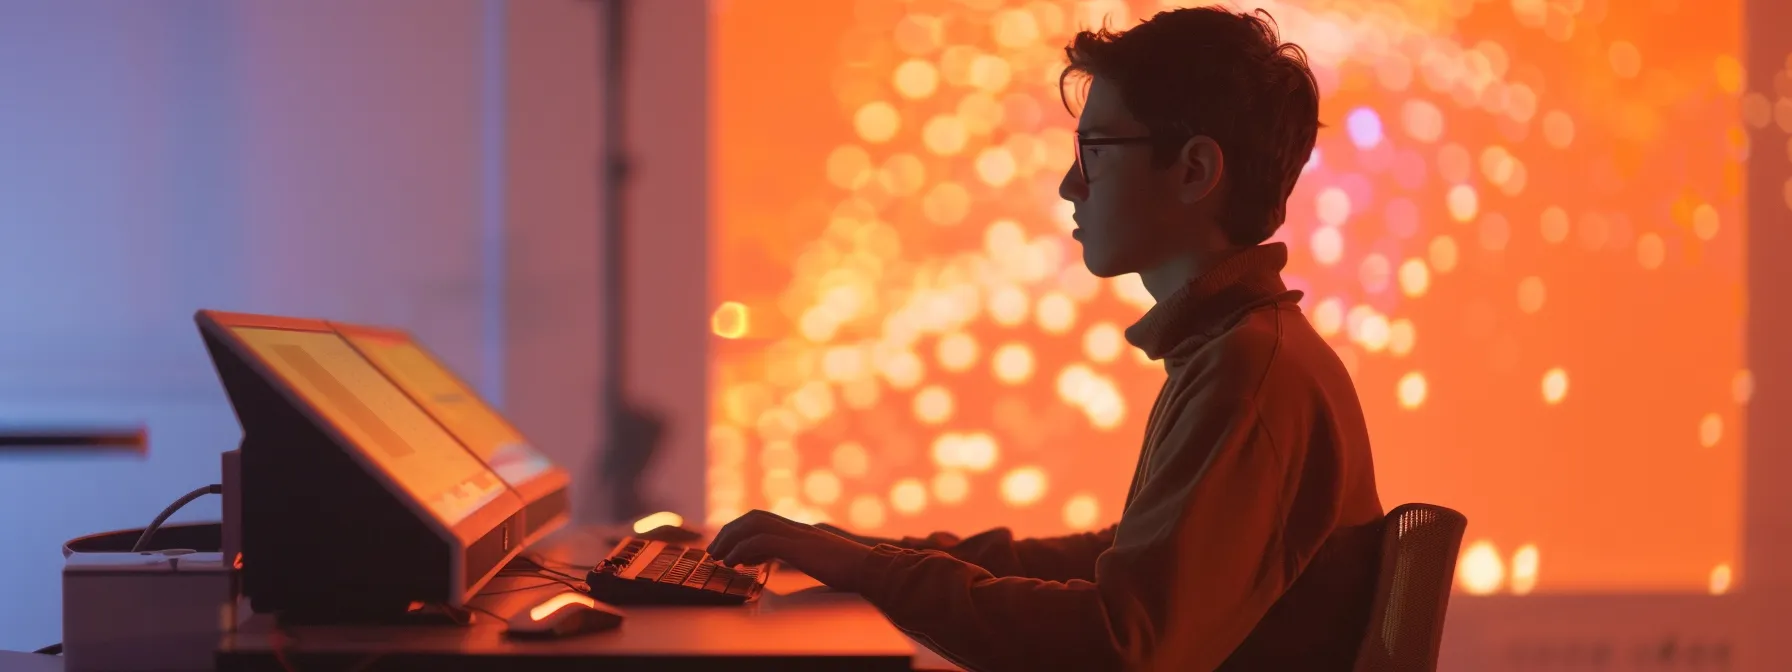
(1072, 187)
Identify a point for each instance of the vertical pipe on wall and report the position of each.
(491, 181)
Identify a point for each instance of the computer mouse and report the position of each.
(674, 534)
(565, 614)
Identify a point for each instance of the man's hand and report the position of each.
(759, 536)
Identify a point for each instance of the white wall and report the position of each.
(553, 143)
(322, 158)
(431, 164)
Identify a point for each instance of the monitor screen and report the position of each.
(458, 408)
(390, 430)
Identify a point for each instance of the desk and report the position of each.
(797, 625)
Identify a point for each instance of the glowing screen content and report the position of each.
(1522, 231)
(391, 431)
(459, 409)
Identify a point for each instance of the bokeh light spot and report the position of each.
(851, 460)
(876, 122)
(908, 496)
(1711, 429)
(1742, 386)
(1013, 363)
(1463, 202)
(1103, 342)
(1333, 206)
(849, 167)
(1554, 224)
(1531, 294)
(1364, 126)
(1443, 254)
(995, 166)
(1401, 337)
(1704, 221)
(1555, 385)
(957, 351)
(951, 487)
(1524, 569)
(1328, 316)
(1415, 277)
(1056, 313)
(1558, 129)
(1650, 251)
(866, 513)
(1625, 59)
(1327, 245)
(1024, 486)
(1374, 332)
(729, 320)
(933, 405)
(1374, 272)
(1495, 232)
(821, 486)
(1423, 121)
(1412, 389)
(944, 135)
(1720, 579)
(916, 79)
(1480, 570)
(1082, 512)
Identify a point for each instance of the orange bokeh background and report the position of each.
(1521, 231)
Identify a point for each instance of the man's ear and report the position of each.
(1202, 164)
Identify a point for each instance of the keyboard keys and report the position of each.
(741, 585)
(658, 566)
(680, 571)
(700, 575)
(718, 581)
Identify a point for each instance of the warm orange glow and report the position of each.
(558, 602)
(1508, 198)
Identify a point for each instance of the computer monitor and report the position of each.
(354, 500)
(540, 483)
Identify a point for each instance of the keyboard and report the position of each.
(639, 571)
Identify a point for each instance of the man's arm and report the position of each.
(1204, 552)
(1050, 558)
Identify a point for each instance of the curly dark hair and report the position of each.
(1223, 74)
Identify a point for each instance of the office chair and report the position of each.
(1419, 544)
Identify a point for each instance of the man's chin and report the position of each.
(1103, 267)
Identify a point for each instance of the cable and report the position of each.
(530, 566)
(556, 582)
(487, 612)
(150, 532)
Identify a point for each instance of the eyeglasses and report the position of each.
(1097, 142)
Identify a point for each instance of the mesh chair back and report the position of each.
(1418, 563)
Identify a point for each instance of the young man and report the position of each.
(1250, 533)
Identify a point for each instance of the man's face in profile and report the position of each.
(1124, 203)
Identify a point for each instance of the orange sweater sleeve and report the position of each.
(1203, 551)
(1051, 558)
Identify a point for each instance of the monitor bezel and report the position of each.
(460, 535)
(547, 482)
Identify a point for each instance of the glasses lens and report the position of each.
(1080, 170)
